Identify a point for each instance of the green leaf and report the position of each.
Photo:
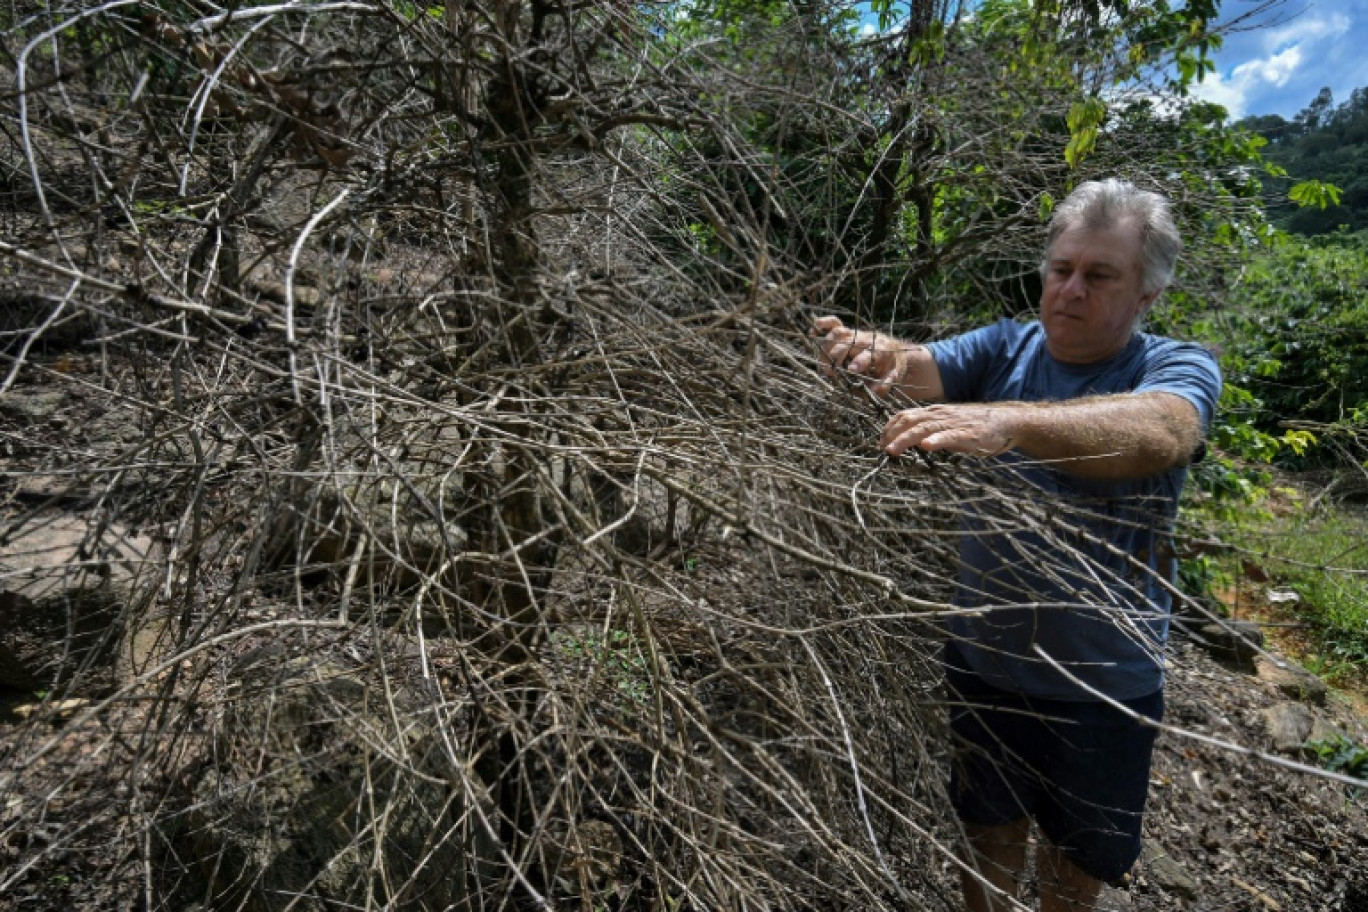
(1299, 441)
(1085, 114)
(1315, 193)
(1080, 144)
(1046, 207)
(1084, 119)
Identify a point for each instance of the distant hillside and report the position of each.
(1324, 141)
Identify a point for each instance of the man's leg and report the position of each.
(998, 854)
(991, 788)
(1064, 887)
(1090, 818)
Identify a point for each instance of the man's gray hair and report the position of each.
(1111, 202)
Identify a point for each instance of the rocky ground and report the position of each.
(1234, 823)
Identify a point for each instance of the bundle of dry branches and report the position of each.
(430, 391)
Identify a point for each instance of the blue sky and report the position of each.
(1278, 68)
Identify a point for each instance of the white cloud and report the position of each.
(1274, 71)
(1306, 30)
(1287, 50)
(1219, 90)
(1250, 78)
(1278, 69)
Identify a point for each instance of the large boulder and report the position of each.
(1292, 681)
(71, 599)
(1235, 643)
(1289, 726)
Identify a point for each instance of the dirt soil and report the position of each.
(1251, 832)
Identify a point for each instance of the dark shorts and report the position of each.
(1080, 770)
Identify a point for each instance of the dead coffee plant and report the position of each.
(429, 391)
(497, 544)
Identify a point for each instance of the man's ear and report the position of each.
(1147, 301)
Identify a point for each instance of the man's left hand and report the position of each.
(978, 430)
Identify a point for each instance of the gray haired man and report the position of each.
(1100, 420)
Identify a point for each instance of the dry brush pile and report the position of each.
(426, 385)
(477, 543)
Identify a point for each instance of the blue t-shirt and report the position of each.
(1075, 567)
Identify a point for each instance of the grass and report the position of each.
(1323, 558)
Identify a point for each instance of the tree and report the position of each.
(1316, 115)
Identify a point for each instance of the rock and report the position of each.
(1236, 643)
(49, 490)
(1289, 725)
(1168, 873)
(644, 505)
(66, 642)
(637, 536)
(385, 527)
(56, 552)
(69, 596)
(34, 406)
(1323, 730)
(1292, 681)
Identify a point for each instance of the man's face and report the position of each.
(1093, 293)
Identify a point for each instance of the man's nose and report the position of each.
(1075, 287)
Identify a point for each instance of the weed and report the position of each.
(1198, 577)
(618, 657)
(1341, 755)
(1324, 558)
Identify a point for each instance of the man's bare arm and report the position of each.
(882, 362)
(1121, 436)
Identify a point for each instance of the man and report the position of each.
(1098, 422)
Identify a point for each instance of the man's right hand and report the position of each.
(879, 361)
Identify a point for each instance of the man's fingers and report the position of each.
(835, 343)
(824, 325)
(901, 443)
(942, 440)
(902, 431)
(863, 355)
(834, 356)
(930, 429)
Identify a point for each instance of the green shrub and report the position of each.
(1300, 344)
(1341, 755)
